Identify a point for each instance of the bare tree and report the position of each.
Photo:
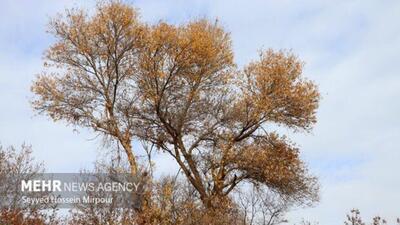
(354, 218)
(262, 207)
(109, 213)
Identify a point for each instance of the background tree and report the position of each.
(354, 218)
(17, 165)
(107, 213)
(177, 87)
(262, 207)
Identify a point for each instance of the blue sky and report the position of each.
(351, 49)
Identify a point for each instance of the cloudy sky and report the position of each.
(351, 49)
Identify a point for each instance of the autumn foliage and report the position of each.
(16, 165)
(176, 87)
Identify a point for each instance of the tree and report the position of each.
(92, 213)
(354, 218)
(261, 207)
(177, 87)
(15, 166)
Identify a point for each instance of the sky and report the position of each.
(351, 49)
